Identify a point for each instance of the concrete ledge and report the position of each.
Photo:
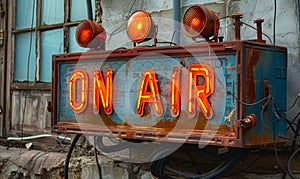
(49, 165)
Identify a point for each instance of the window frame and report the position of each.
(38, 29)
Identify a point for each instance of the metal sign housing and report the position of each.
(224, 94)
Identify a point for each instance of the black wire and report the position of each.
(158, 168)
(225, 17)
(277, 114)
(110, 148)
(265, 126)
(261, 114)
(27, 75)
(121, 48)
(296, 117)
(97, 161)
(291, 123)
(290, 160)
(157, 162)
(294, 103)
(89, 9)
(266, 35)
(248, 166)
(66, 167)
(274, 22)
(129, 12)
(171, 43)
(276, 154)
(173, 35)
(248, 104)
(292, 154)
(208, 155)
(119, 29)
(218, 171)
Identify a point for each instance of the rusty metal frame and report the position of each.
(230, 139)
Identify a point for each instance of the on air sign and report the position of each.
(200, 86)
(194, 93)
(143, 90)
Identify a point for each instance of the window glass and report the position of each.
(24, 13)
(51, 43)
(79, 10)
(52, 12)
(73, 46)
(51, 40)
(24, 70)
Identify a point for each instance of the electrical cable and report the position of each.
(276, 113)
(291, 155)
(129, 12)
(264, 124)
(286, 170)
(66, 167)
(39, 136)
(208, 155)
(248, 166)
(248, 104)
(272, 132)
(274, 22)
(218, 171)
(171, 43)
(158, 168)
(225, 17)
(294, 103)
(290, 160)
(268, 37)
(276, 154)
(298, 3)
(119, 29)
(157, 159)
(258, 102)
(110, 148)
(28, 66)
(121, 48)
(293, 121)
(89, 9)
(173, 35)
(4, 122)
(27, 78)
(97, 161)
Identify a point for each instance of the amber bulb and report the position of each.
(140, 26)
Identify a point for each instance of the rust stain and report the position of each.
(165, 125)
(252, 59)
(191, 124)
(254, 140)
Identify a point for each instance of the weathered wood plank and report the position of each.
(29, 111)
